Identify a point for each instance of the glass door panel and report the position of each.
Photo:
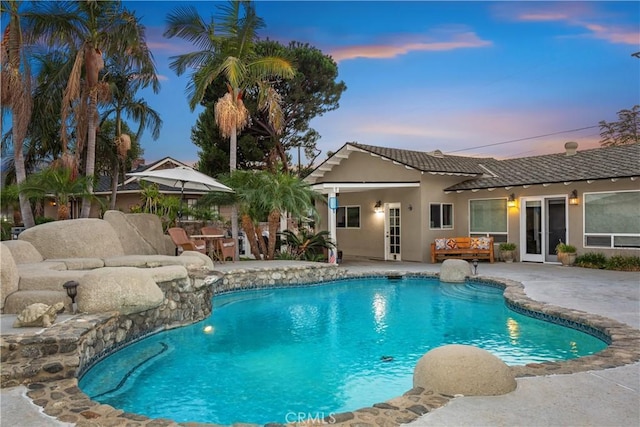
(392, 232)
(532, 214)
(556, 227)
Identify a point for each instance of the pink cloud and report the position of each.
(614, 34)
(543, 16)
(384, 51)
(573, 14)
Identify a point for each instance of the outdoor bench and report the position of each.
(462, 248)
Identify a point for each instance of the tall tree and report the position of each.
(123, 83)
(115, 156)
(311, 93)
(16, 95)
(90, 29)
(625, 131)
(227, 51)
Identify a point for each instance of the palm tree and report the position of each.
(16, 95)
(226, 50)
(90, 28)
(59, 182)
(246, 197)
(124, 82)
(284, 192)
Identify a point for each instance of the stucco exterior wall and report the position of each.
(575, 223)
(363, 167)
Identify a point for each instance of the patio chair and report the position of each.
(182, 240)
(226, 248)
(223, 247)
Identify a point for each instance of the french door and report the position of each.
(392, 248)
(543, 224)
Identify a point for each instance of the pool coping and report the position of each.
(65, 401)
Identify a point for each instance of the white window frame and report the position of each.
(346, 217)
(442, 225)
(611, 236)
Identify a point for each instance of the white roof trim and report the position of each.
(346, 187)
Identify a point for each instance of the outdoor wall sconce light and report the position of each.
(474, 262)
(377, 208)
(72, 290)
(573, 198)
(511, 201)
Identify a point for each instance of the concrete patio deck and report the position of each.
(608, 397)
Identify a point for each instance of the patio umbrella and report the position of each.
(182, 177)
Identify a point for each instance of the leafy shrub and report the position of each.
(306, 245)
(565, 248)
(592, 260)
(624, 263)
(507, 246)
(43, 219)
(5, 231)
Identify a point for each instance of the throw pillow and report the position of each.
(475, 243)
(441, 244)
(484, 243)
(452, 244)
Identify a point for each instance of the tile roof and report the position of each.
(592, 164)
(598, 163)
(433, 161)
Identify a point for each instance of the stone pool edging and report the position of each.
(61, 397)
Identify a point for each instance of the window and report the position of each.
(440, 216)
(348, 217)
(488, 217)
(612, 220)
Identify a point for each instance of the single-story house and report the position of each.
(391, 204)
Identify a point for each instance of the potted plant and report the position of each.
(566, 254)
(507, 251)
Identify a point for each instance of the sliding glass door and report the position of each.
(543, 223)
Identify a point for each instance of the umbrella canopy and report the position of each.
(182, 177)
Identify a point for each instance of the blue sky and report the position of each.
(461, 77)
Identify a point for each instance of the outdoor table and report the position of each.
(210, 241)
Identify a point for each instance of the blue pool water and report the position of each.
(271, 355)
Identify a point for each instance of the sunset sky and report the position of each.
(462, 77)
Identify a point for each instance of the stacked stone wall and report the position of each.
(67, 348)
(287, 276)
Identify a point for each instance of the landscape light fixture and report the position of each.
(474, 262)
(573, 198)
(511, 201)
(72, 291)
(377, 208)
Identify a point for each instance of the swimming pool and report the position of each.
(317, 350)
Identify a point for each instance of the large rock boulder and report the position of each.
(23, 252)
(74, 238)
(150, 227)
(463, 369)
(9, 278)
(140, 233)
(124, 289)
(454, 271)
